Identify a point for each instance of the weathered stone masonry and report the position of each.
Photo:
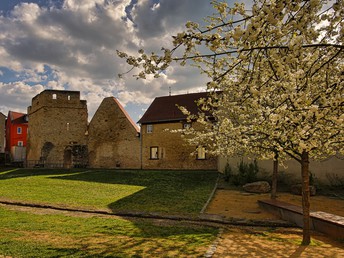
(114, 139)
(59, 135)
(57, 129)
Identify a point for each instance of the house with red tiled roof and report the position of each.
(113, 138)
(161, 149)
(16, 135)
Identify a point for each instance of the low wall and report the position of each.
(329, 224)
(323, 171)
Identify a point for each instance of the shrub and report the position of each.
(335, 180)
(247, 173)
(227, 172)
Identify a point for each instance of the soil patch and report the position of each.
(274, 242)
(239, 204)
(239, 241)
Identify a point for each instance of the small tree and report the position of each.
(279, 68)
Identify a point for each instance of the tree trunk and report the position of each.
(305, 198)
(274, 177)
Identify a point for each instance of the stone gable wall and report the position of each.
(173, 151)
(113, 140)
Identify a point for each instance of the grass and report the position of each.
(54, 235)
(28, 234)
(173, 192)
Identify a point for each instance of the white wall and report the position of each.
(319, 169)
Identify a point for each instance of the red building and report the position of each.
(16, 135)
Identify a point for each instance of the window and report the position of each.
(19, 130)
(68, 97)
(67, 126)
(54, 96)
(186, 125)
(149, 128)
(200, 152)
(20, 143)
(154, 153)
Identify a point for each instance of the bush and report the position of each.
(227, 172)
(247, 173)
(335, 180)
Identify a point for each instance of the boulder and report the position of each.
(297, 189)
(257, 187)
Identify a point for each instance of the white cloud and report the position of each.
(26, 12)
(17, 96)
(77, 44)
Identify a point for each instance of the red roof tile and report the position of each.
(17, 118)
(165, 109)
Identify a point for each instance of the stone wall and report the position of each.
(173, 151)
(57, 123)
(113, 138)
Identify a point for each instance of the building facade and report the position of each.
(163, 149)
(16, 135)
(113, 138)
(58, 130)
(2, 132)
(60, 136)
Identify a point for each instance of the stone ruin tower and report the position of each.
(57, 130)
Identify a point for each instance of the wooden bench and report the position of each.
(330, 224)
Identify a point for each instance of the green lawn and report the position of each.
(173, 192)
(25, 234)
(28, 234)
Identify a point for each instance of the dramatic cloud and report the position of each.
(72, 44)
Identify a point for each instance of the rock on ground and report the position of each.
(257, 187)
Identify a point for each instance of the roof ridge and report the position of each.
(126, 114)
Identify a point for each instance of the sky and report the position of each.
(71, 45)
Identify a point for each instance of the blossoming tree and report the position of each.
(280, 70)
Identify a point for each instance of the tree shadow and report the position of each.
(139, 191)
(161, 191)
(298, 252)
(172, 192)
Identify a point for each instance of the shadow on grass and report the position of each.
(173, 192)
(16, 173)
(99, 237)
